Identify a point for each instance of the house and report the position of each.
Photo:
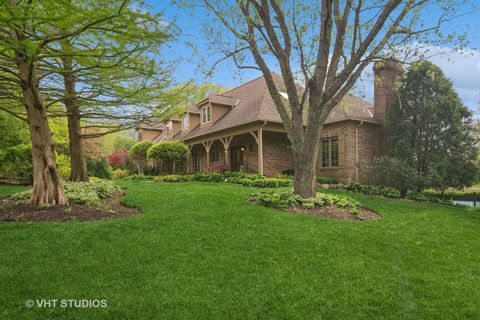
(242, 129)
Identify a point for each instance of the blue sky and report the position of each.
(462, 68)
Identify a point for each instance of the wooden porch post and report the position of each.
(260, 151)
(259, 139)
(189, 158)
(226, 144)
(207, 145)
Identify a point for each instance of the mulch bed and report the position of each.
(334, 212)
(110, 208)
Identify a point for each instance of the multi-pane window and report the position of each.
(206, 114)
(214, 155)
(185, 121)
(196, 162)
(329, 152)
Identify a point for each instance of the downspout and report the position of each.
(356, 150)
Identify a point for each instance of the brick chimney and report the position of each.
(386, 74)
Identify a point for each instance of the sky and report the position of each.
(463, 69)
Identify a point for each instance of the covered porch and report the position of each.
(259, 148)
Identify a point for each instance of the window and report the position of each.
(185, 121)
(214, 155)
(206, 114)
(196, 162)
(169, 126)
(330, 152)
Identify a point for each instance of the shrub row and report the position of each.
(245, 179)
(327, 180)
(264, 183)
(136, 177)
(394, 193)
(285, 199)
(80, 192)
(373, 190)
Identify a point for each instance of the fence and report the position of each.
(471, 199)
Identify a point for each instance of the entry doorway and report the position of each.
(237, 158)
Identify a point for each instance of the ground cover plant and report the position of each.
(200, 251)
(80, 192)
(322, 205)
(95, 200)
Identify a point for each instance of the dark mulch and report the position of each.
(110, 208)
(334, 212)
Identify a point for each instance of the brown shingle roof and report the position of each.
(152, 125)
(251, 102)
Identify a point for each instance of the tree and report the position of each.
(330, 41)
(109, 77)
(431, 130)
(138, 153)
(168, 152)
(27, 30)
(191, 93)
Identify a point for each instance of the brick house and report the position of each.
(241, 128)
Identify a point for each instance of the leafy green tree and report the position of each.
(29, 31)
(168, 152)
(116, 141)
(431, 130)
(327, 44)
(14, 131)
(110, 77)
(191, 93)
(139, 154)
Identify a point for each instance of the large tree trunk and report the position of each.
(47, 185)
(305, 183)
(78, 165)
(77, 157)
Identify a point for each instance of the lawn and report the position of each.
(6, 189)
(199, 251)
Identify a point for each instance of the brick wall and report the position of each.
(277, 153)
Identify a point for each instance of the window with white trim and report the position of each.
(185, 121)
(206, 114)
(329, 152)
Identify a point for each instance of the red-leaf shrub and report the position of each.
(118, 158)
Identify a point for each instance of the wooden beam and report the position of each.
(208, 145)
(226, 145)
(255, 136)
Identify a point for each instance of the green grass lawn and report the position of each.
(199, 251)
(6, 189)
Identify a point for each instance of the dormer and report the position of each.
(173, 126)
(214, 107)
(190, 119)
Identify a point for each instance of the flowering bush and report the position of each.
(118, 158)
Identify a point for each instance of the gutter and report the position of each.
(356, 149)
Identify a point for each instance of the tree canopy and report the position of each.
(431, 130)
(326, 44)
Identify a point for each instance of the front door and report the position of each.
(237, 158)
